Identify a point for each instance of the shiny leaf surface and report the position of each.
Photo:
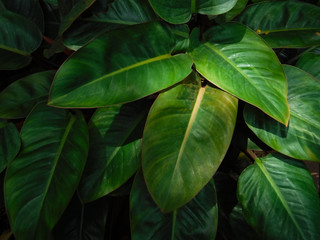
(196, 220)
(238, 61)
(279, 199)
(301, 139)
(18, 99)
(187, 134)
(310, 63)
(284, 23)
(180, 11)
(42, 179)
(115, 148)
(138, 63)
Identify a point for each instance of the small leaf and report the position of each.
(279, 199)
(310, 63)
(12, 61)
(187, 134)
(301, 139)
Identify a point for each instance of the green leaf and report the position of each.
(12, 61)
(235, 11)
(9, 143)
(238, 61)
(180, 11)
(120, 66)
(30, 9)
(18, 99)
(310, 63)
(289, 24)
(115, 148)
(119, 14)
(41, 181)
(196, 220)
(18, 34)
(279, 199)
(301, 139)
(187, 134)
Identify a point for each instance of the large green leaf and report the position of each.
(120, 13)
(310, 63)
(238, 61)
(42, 179)
(301, 139)
(180, 11)
(279, 199)
(284, 23)
(120, 66)
(9, 143)
(196, 220)
(187, 134)
(115, 148)
(18, 99)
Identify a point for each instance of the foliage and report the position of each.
(150, 113)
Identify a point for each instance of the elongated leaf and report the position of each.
(284, 23)
(120, 13)
(18, 34)
(13, 61)
(120, 66)
(310, 63)
(187, 134)
(196, 220)
(30, 9)
(18, 99)
(279, 199)
(43, 178)
(239, 62)
(115, 148)
(9, 143)
(180, 11)
(301, 139)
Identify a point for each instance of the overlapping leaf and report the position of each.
(180, 11)
(238, 61)
(120, 66)
(310, 63)
(17, 100)
(301, 139)
(13, 61)
(284, 23)
(115, 148)
(279, 199)
(187, 134)
(195, 220)
(41, 180)
(9, 143)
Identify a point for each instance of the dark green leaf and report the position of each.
(115, 148)
(17, 100)
(310, 62)
(239, 61)
(120, 66)
(196, 220)
(284, 23)
(12, 61)
(279, 199)
(42, 179)
(187, 134)
(301, 139)
(9, 143)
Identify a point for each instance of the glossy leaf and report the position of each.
(301, 139)
(284, 23)
(238, 61)
(180, 11)
(9, 143)
(187, 134)
(279, 199)
(235, 11)
(120, 13)
(42, 179)
(120, 66)
(115, 148)
(196, 220)
(13, 61)
(310, 63)
(24, 37)
(18, 99)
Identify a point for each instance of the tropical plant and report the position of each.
(136, 119)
